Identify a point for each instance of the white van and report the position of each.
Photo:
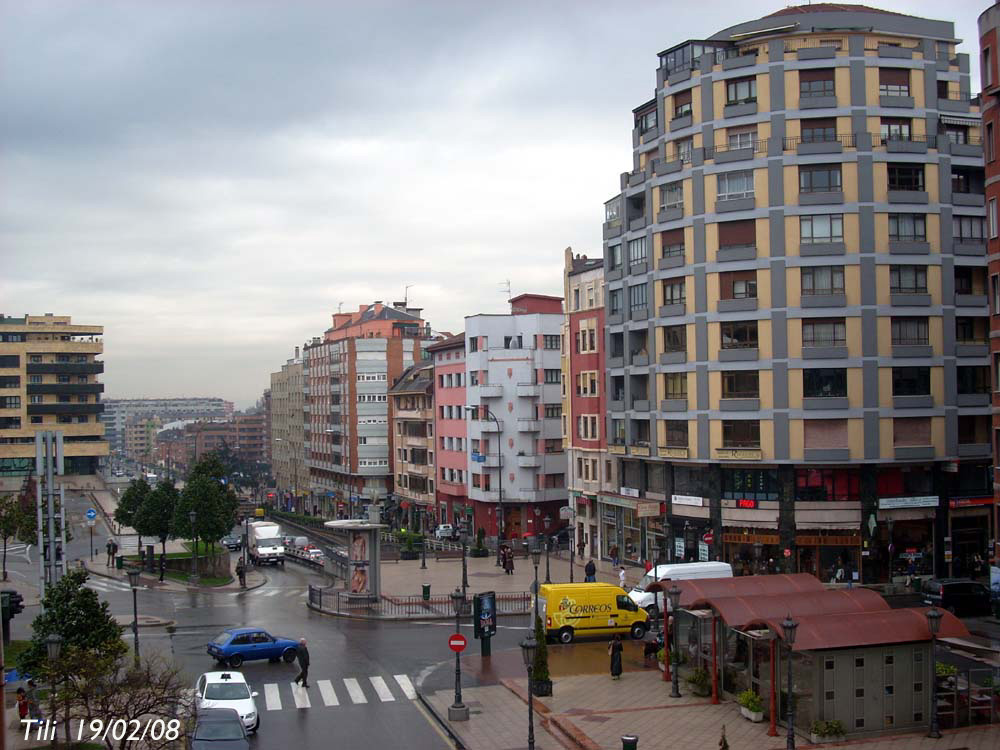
(674, 572)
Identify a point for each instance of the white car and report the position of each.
(444, 531)
(228, 690)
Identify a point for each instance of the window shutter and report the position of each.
(894, 76)
(821, 74)
(737, 233)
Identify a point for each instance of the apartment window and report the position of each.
(991, 215)
(959, 135)
(675, 385)
(821, 228)
(968, 180)
(513, 342)
(34, 379)
(740, 384)
(819, 129)
(823, 280)
(974, 380)
(637, 251)
(824, 382)
(738, 285)
(637, 297)
(968, 228)
(675, 338)
(35, 399)
(820, 178)
(990, 144)
(893, 82)
(36, 419)
(828, 485)
(615, 256)
(910, 332)
(672, 243)
(824, 332)
(740, 90)
(908, 227)
(743, 433)
(682, 103)
(737, 138)
(646, 121)
(674, 292)
(10, 402)
(553, 411)
(672, 195)
(895, 129)
(987, 69)
(911, 381)
(576, 298)
(551, 342)
(553, 376)
(586, 384)
(11, 381)
(733, 185)
(474, 377)
(814, 83)
(906, 177)
(586, 427)
(738, 233)
(739, 334)
(684, 149)
(615, 302)
(908, 279)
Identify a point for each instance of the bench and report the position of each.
(447, 554)
(390, 555)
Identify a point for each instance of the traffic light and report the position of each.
(16, 603)
(12, 604)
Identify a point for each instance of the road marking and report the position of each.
(300, 695)
(405, 685)
(354, 690)
(272, 592)
(327, 693)
(384, 694)
(272, 698)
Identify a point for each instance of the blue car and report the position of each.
(237, 645)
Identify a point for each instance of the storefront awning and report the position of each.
(741, 612)
(818, 632)
(703, 589)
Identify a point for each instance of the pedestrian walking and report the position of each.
(621, 576)
(590, 572)
(22, 705)
(302, 654)
(580, 547)
(615, 649)
(613, 554)
(110, 547)
(648, 566)
(34, 709)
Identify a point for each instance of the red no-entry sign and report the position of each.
(457, 642)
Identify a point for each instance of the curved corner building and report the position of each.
(797, 322)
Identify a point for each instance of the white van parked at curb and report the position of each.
(652, 603)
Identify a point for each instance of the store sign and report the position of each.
(746, 503)
(927, 501)
(630, 492)
(739, 454)
(702, 552)
(679, 547)
(609, 516)
(647, 510)
(687, 500)
(966, 502)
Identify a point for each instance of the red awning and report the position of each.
(817, 632)
(702, 589)
(743, 611)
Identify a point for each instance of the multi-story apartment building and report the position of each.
(347, 375)
(251, 431)
(265, 407)
(588, 468)
(452, 450)
(989, 50)
(208, 437)
(48, 381)
(288, 464)
(796, 298)
(514, 395)
(140, 436)
(118, 411)
(412, 443)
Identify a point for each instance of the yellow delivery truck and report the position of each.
(569, 610)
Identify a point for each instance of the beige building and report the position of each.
(288, 464)
(48, 381)
(140, 436)
(412, 415)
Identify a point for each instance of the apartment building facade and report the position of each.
(140, 438)
(118, 411)
(48, 381)
(452, 503)
(413, 445)
(288, 464)
(796, 299)
(589, 469)
(514, 394)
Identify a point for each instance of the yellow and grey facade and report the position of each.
(48, 381)
(797, 363)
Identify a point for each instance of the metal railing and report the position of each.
(847, 140)
(757, 146)
(414, 606)
(880, 139)
(797, 44)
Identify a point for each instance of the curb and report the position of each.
(391, 618)
(441, 722)
(558, 725)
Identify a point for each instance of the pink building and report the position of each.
(453, 503)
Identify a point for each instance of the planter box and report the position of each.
(409, 554)
(484, 552)
(755, 716)
(815, 739)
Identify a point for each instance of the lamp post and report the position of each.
(133, 582)
(675, 602)
(536, 557)
(192, 517)
(789, 626)
(423, 541)
(548, 544)
(528, 648)
(463, 538)
(53, 645)
(934, 623)
(491, 415)
(459, 711)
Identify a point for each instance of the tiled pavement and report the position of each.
(498, 720)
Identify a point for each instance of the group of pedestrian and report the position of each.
(507, 559)
(27, 703)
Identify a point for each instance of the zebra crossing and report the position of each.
(353, 691)
(104, 585)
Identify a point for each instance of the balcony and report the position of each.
(529, 390)
(78, 368)
(488, 425)
(810, 145)
(529, 425)
(66, 389)
(617, 448)
(530, 494)
(639, 449)
(71, 409)
(491, 391)
(492, 461)
(974, 450)
(527, 461)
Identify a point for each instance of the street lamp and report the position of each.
(528, 648)
(192, 517)
(463, 538)
(133, 582)
(675, 602)
(491, 415)
(536, 557)
(423, 540)
(789, 626)
(53, 645)
(459, 711)
(548, 520)
(934, 623)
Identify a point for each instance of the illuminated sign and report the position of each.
(746, 503)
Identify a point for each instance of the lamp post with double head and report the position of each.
(192, 517)
(133, 582)
(548, 544)
(934, 623)
(53, 648)
(789, 626)
(675, 602)
(458, 711)
(528, 648)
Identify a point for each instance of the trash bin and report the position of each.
(426, 591)
(120, 562)
(630, 742)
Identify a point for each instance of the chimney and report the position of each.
(296, 352)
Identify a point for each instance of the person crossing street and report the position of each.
(302, 654)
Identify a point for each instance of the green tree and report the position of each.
(540, 669)
(131, 500)
(16, 522)
(214, 503)
(86, 625)
(156, 515)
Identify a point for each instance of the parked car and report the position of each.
(234, 646)
(960, 596)
(218, 729)
(232, 542)
(444, 531)
(228, 690)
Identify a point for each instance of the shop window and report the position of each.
(755, 484)
(974, 479)
(909, 481)
(822, 485)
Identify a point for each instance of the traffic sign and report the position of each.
(91, 521)
(457, 642)
(566, 512)
(708, 537)
(91, 514)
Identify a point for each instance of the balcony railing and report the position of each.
(741, 394)
(910, 342)
(740, 345)
(847, 140)
(880, 139)
(741, 444)
(758, 146)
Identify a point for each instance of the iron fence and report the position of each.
(414, 606)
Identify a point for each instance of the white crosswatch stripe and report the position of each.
(272, 698)
(405, 685)
(301, 696)
(381, 689)
(354, 690)
(327, 693)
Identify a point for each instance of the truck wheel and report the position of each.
(288, 655)
(566, 635)
(638, 630)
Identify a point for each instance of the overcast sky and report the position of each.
(210, 180)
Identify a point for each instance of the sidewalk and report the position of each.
(255, 578)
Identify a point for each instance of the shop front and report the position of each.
(904, 538)
(750, 541)
(972, 534)
(831, 557)
(585, 523)
(689, 522)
